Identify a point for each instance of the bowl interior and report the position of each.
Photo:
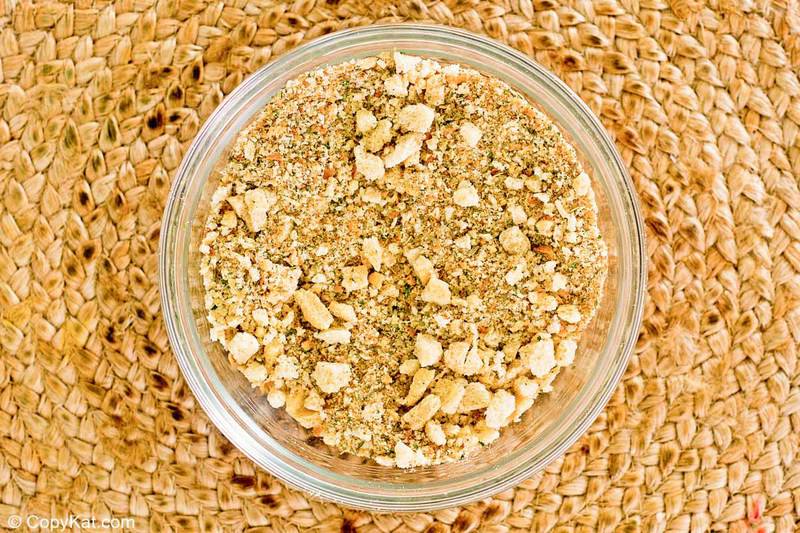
(270, 436)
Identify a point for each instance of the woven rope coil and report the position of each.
(100, 100)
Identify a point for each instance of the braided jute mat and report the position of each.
(100, 100)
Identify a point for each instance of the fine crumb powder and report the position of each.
(402, 255)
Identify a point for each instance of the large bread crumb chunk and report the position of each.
(539, 357)
(355, 278)
(569, 313)
(470, 133)
(405, 63)
(396, 86)
(422, 412)
(514, 241)
(281, 281)
(243, 346)
(466, 195)
(373, 252)
(342, 311)
(407, 146)
(422, 379)
(314, 311)
(422, 266)
(451, 391)
(437, 292)
(500, 409)
(565, 353)
(405, 457)
(427, 349)
(416, 117)
(476, 396)
(331, 377)
(462, 359)
(334, 336)
(435, 432)
(258, 202)
(379, 136)
(368, 165)
(365, 121)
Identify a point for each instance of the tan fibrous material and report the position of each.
(99, 103)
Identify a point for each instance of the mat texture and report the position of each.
(100, 100)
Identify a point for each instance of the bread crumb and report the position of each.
(258, 202)
(462, 359)
(256, 373)
(427, 350)
(514, 184)
(419, 384)
(343, 312)
(437, 292)
(451, 392)
(409, 367)
(334, 336)
(516, 274)
(331, 377)
(471, 134)
(485, 434)
(368, 165)
(405, 457)
(417, 416)
(243, 346)
(514, 241)
(476, 396)
(558, 282)
(518, 215)
(396, 86)
(416, 118)
(422, 228)
(407, 146)
(281, 279)
(464, 242)
(355, 278)
(287, 368)
(276, 398)
(435, 432)
(422, 266)
(500, 409)
(565, 353)
(539, 357)
(314, 311)
(405, 63)
(466, 195)
(373, 252)
(365, 121)
(569, 313)
(381, 134)
(582, 184)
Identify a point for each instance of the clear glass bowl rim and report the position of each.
(293, 469)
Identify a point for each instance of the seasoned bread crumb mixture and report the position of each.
(402, 255)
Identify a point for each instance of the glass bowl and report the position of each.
(273, 440)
